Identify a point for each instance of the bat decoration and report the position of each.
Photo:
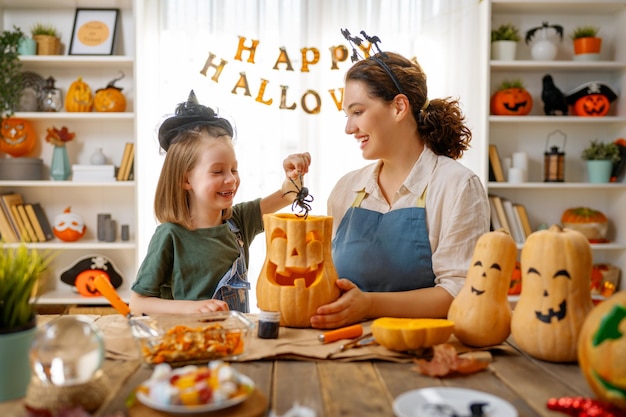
(544, 26)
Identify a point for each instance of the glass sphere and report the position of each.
(69, 350)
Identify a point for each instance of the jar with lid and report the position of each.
(51, 97)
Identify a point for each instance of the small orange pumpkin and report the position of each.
(481, 311)
(512, 99)
(602, 349)
(18, 136)
(515, 287)
(556, 294)
(69, 226)
(85, 282)
(591, 223)
(401, 334)
(592, 105)
(298, 274)
(79, 97)
(110, 98)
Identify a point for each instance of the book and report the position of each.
(495, 221)
(496, 164)
(8, 200)
(32, 217)
(129, 163)
(502, 214)
(523, 215)
(42, 219)
(7, 233)
(125, 160)
(30, 231)
(514, 222)
(20, 224)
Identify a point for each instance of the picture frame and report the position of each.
(94, 31)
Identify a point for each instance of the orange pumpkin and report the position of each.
(602, 349)
(556, 294)
(592, 105)
(591, 223)
(298, 274)
(481, 311)
(401, 334)
(110, 98)
(515, 287)
(512, 99)
(85, 282)
(18, 136)
(69, 226)
(79, 97)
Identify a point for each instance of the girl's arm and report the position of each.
(141, 304)
(295, 165)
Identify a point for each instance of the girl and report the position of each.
(197, 259)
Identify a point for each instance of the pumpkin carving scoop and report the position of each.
(108, 291)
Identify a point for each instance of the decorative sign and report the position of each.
(94, 32)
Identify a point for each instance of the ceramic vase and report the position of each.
(60, 169)
(15, 370)
(599, 171)
(503, 50)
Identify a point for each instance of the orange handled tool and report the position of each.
(349, 332)
(108, 291)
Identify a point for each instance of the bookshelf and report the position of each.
(109, 131)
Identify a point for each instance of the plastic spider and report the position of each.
(303, 198)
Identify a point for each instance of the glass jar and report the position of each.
(51, 98)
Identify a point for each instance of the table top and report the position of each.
(362, 387)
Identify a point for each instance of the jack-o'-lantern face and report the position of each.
(592, 105)
(69, 226)
(298, 275)
(85, 282)
(18, 137)
(511, 102)
(602, 349)
(555, 296)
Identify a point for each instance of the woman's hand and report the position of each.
(351, 307)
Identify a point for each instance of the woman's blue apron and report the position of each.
(234, 286)
(383, 252)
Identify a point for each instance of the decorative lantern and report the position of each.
(298, 275)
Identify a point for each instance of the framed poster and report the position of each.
(94, 32)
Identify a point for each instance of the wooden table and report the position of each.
(368, 388)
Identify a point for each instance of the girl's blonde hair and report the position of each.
(171, 200)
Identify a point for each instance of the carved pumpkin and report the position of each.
(515, 287)
(556, 294)
(85, 282)
(592, 105)
(511, 101)
(402, 334)
(591, 223)
(602, 349)
(110, 98)
(79, 97)
(18, 136)
(69, 226)
(481, 311)
(298, 274)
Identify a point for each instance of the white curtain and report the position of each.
(181, 35)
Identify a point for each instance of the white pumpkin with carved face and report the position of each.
(556, 294)
(298, 275)
(69, 226)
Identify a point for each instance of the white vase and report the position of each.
(503, 50)
(544, 49)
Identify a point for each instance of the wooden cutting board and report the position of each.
(254, 406)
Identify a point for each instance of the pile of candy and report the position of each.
(195, 385)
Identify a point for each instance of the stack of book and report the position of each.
(125, 171)
(511, 217)
(93, 173)
(21, 221)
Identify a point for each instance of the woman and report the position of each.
(406, 225)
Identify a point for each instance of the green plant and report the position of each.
(10, 70)
(601, 151)
(41, 29)
(585, 32)
(20, 271)
(506, 32)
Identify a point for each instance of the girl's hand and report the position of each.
(351, 307)
(297, 164)
(210, 306)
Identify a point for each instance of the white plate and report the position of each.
(427, 402)
(190, 409)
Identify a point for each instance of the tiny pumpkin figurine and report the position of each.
(511, 99)
(556, 294)
(18, 136)
(298, 274)
(591, 99)
(79, 97)
(481, 311)
(591, 223)
(602, 349)
(69, 226)
(110, 98)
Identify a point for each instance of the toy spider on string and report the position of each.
(303, 198)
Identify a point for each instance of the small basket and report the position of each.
(47, 45)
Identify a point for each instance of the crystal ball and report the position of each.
(68, 350)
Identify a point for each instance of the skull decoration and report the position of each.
(298, 275)
(69, 226)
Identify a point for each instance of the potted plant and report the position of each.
(47, 38)
(600, 158)
(11, 70)
(21, 269)
(587, 44)
(504, 42)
